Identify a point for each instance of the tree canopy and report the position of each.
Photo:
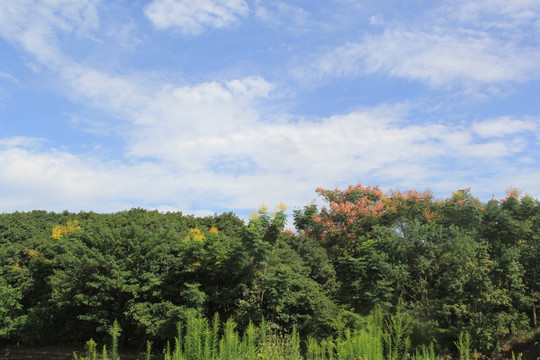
(450, 265)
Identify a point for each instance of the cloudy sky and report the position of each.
(223, 105)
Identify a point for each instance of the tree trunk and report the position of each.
(535, 317)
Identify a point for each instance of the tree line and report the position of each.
(446, 267)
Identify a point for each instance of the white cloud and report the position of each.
(4, 92)
(186, 125)
(444, 49)
(191, 17)
(489, 14)
(279, 13)
(506, 125)
(20, 141)
(209, 148)
(126, 34)
(123, 95)
(31, 178)
(33, 24)
(467, 60)
(376, 20)
(9, 77)
(39, 36)
(34, 177)
(254, 161)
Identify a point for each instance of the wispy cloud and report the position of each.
(125, 34)
(8, 78)
(34, 25)
(449, 48)
(509, 16)
(506, 125)
(191, 17)
(280, 13)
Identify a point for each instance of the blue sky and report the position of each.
(223, 105)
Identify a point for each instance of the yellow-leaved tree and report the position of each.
(59, 231)
(195, 235)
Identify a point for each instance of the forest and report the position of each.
(398, 274)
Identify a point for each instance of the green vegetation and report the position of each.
(199, 340)
(370, 275)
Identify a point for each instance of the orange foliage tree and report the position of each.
(351, 215)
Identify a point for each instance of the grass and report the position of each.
(200, 339)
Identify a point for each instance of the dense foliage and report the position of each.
(446, 266)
